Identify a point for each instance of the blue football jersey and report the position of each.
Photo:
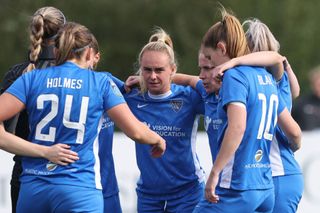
(249, 167)
(174, 116)
(212, 121)
(108, 175)
(281, 156)
(65, 105)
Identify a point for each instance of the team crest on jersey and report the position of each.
(51, 166)
(115, 89)
(176, 105)
(258, 156)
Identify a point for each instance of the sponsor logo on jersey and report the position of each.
(207, 122)
(257, 165)
(51, 166)
(258, 156)
(176, 105)
(166, 130)
(215, 123)
(106, 122)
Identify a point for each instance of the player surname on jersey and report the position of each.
(264, 80)
(64, 82)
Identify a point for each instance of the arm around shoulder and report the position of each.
(272, 60)
(186, 80)
(294, 84)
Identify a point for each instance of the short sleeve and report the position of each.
(197, 101)
(118, 82)
(112, 95)
(234, 88)
(200, 88)
(281, 105)
(285, 91)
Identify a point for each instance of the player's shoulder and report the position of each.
(19, 66)
(176, 89)
(186, 92)
(13, 73)
(17, 69)
(246, 69)
(245, 72)
(104, 73)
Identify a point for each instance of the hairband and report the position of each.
(81, 48)
(64, 18)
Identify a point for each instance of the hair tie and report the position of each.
(64, 18)
(81, 48)
(223, 22)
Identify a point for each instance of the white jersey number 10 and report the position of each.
(264, 128)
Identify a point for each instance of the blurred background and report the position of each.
(123, 27)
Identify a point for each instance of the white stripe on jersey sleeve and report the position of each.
(238, 104)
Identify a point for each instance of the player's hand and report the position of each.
(286, 65)
(61, 154)
(158, 149)
(211, 184)
(131, 82)
(219, 71)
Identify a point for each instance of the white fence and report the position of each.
(127, 171)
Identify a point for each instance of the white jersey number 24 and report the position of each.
(80, 125)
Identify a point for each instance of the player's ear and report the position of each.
(222, 47)
(173, 70)
(89, 54)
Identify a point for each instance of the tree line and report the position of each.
(123, 27)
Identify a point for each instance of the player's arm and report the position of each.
(186, 80)
(58, 153)
(273, 61)
(232, 138)
(294, 84)
(237, 116)
(291, 129)
(136, 130)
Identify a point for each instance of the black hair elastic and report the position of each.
(223, 22)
